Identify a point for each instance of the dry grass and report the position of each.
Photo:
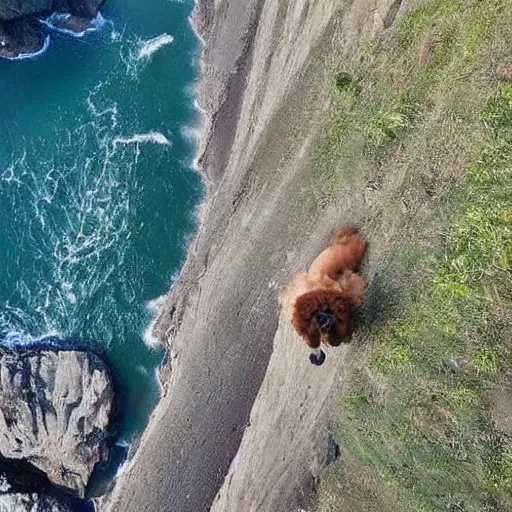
(421, 424)
(429, 50)
(504, 70)
(355, 490)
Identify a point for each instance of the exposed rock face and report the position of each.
(11, 9)
(22, 33)
(54, 412)
(81, 8)
(21, 36)
(17, 502)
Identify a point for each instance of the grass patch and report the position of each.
(417, 415)
(429, 71)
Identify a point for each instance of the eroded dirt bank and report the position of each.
(265, 92)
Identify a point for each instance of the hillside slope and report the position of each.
(265, 89)
(423, 419)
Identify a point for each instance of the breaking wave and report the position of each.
(142, 138)
(153, 307)
(137, 54)
(149, 47)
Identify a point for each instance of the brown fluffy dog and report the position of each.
(322, 301)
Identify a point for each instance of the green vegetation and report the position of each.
(418, 422)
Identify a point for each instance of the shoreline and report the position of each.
(158, 304)
(220, 318)
(203, 129)
(151, 331)
(182, 285)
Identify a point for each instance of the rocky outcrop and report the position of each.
(21, 36)
(54, 412)
(11, 9)
(21, 32)
(79, 8)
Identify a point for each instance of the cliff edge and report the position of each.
(265, 92)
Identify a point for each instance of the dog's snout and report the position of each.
(324, 320)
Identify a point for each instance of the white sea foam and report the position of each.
(57, 22)
(198, 107)
(28, 56)
(142, 138)
(67, 289)
(149, 47)
(154, 307)
(100, 110)
(149, 338)
(4, 484)
(20, 339)
(122, 467)
(192, 133)
(137, 54)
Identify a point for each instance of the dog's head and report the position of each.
(324, 320)
(323, 316)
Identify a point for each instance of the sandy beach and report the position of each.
(236, 379)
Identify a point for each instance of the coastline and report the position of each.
(209, 113)
(175, 322)
(217, 136)
(162, 337)
(227, 350)
(157, 336)
(96, 102)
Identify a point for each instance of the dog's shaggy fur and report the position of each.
(331, 286)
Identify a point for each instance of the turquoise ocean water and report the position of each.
(97, 189)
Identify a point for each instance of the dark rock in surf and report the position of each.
(12, 9)
(21, 36)
(22, 33)
(80, 8)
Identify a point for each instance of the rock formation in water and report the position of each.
(21, 31)
(55, 412)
